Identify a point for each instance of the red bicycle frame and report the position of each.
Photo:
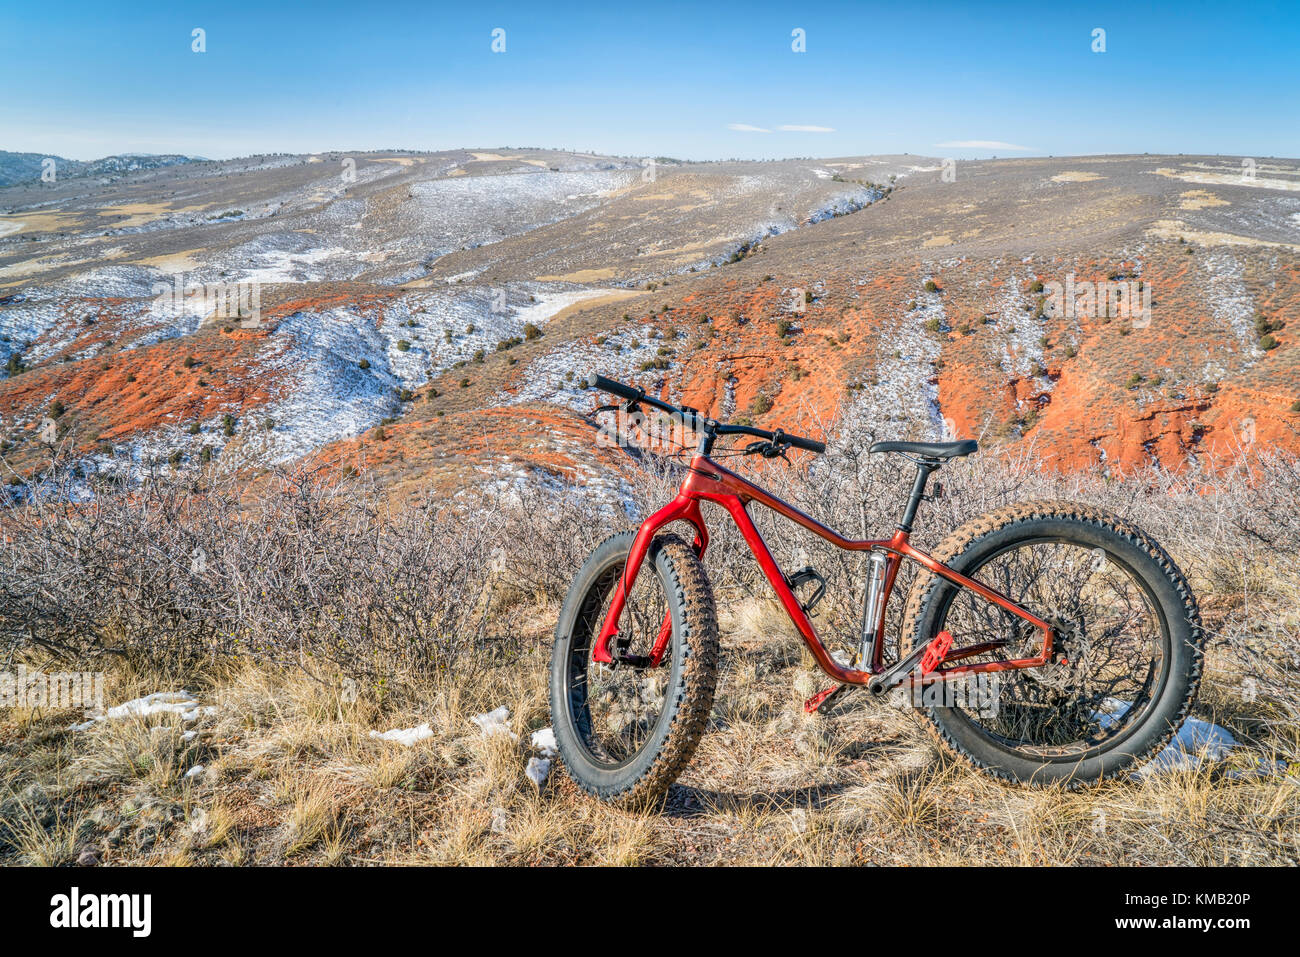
(707, 481)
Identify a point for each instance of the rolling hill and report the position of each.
(437, 311)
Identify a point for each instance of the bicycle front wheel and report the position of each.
(625, 733)
(1128, 646)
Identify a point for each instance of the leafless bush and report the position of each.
(546, 536)
(307, 567)
(313, 568)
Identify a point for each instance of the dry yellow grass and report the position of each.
(294, 777)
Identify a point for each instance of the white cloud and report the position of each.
(746, 128)
(988, 145)
(798, 128)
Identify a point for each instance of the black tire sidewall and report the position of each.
(1162, 715)
(600, 779)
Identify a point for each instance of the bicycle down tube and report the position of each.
(707, 481)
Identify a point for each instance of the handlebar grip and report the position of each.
(691, 418)
(812, 445)
(595, 381)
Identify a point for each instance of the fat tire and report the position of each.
(643, 780)
(987, 535)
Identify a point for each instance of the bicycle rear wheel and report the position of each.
(1128, 652)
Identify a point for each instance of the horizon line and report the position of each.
(1035, 154)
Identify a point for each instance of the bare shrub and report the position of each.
(312, 567)
(308, 567)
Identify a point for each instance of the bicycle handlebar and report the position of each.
(697, 421)
(689, 417)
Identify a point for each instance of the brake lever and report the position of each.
(769, 450)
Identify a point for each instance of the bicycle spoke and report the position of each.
(621, 705)
(1108, 638)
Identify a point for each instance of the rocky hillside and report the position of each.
(437, 311)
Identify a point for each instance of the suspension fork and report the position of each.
(682, 508)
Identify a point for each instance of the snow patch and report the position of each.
(278, 266)
(558, 376)
(899, 401)
(1021, 356)
(843, 205)
(1229, 300)
(544, 741)
(161, 702)
(1196, 744)
(495, 722)
(547, 307)
(538, 770)
(470, 211)
(405, 736)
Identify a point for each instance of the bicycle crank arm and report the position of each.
(896, 674)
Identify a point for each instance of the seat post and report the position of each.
(923, 471)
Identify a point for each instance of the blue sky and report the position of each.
(86, 79)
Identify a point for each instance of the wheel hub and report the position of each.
(1067, 651)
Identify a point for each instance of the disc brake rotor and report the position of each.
(1069, 654)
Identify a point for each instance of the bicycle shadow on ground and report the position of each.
(685, 801)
